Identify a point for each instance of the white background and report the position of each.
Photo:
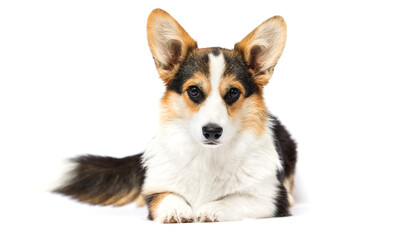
(77, 77)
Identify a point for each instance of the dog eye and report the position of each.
(234, 93)
(195, 94)
(232, 96)
(193, 91)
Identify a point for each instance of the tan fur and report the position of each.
(254, 114)
(210, 49)
(229, 82)
(153, 205)
(126, 198)
(171, 103)
(226, 84)
(200, 80)
(140, 201)
(289, 185)
(94, 201)
(116, 200)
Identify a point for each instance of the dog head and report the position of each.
(214, 93)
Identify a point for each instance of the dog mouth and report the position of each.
(211, 143)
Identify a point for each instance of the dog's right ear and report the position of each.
(169, 43)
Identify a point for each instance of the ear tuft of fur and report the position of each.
(262, 48)
(105, 180)
(169, 43)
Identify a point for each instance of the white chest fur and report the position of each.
(176, 163)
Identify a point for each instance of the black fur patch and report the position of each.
(236, 66)
(216, 51)
(192, 64)
(282, 206)
(287, 151)
(105, 180)
(285, 146)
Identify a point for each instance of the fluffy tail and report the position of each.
(105, 180)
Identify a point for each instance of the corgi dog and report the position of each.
(218, 154)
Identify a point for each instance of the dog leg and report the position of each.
(235, 207)
(169, 208)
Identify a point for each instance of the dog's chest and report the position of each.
(203, 179)
(206, 175)
(207, 179)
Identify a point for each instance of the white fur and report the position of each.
(173, 206)
(233, 181)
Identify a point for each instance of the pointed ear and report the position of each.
(262, 48)
(169, 43)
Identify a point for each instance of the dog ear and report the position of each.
(169, 43)
(262, 48)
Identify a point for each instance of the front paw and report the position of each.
(211, 212)
(174, 210)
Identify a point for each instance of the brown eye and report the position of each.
(193, 91)
(195, 94)
(234, 93)
(232, 96)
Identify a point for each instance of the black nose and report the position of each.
(212, 131)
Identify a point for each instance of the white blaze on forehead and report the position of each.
(213, 109)
(216, 68)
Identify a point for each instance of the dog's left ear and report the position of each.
(169, 43)
(262, 48)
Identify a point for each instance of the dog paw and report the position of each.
(211, 212)
(174, 210)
